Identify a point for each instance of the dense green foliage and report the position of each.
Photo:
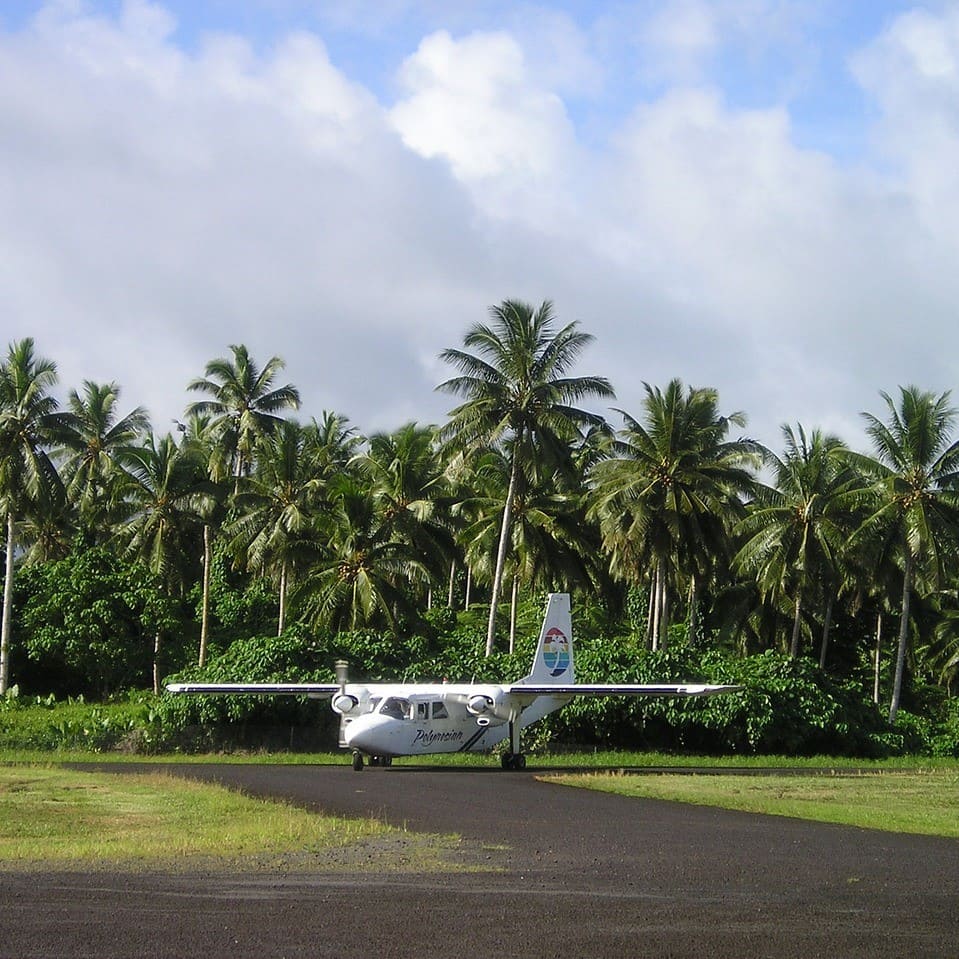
(46, 724)
(788, 706)
(90, 618)
(257, 546)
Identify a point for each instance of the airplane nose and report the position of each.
(361, 733)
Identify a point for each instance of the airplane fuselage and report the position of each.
(390, 721)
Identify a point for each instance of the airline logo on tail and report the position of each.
(556, 651)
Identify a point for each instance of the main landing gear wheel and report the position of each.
(385, 761)
(514, 761)
(357, 761)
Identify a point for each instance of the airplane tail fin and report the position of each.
(553, 662)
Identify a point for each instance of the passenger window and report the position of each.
(421, 710)
(439, 711)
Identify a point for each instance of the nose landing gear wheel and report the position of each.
(357, 761)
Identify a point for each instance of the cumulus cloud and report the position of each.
(168, 205)
(473, 103)
(170, 200)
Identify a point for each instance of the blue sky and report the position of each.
(801, 60)
(756, 195)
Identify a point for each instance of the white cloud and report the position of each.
(168, 205)
(681, 41)
(473, 103)
(912, 71)
(169, 202)
(683, 32)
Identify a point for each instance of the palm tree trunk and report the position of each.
(281, 620)
(501, 554)
(7, 607)
(205, 614)
(875, 675)
(825, 633)
(449, 595)
(693, 610)
(903, 638)
(469, 587)
(238, 468)
(156, 662)
(512, 614)
(656, 607)
(663, 611)
(797, 620)
(648, 636)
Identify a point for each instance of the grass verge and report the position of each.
(565, 760)
(59, 818)
(910, 801)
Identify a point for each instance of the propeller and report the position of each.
(343, 702)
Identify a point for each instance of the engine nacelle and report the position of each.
(346, 704)
(488, 707)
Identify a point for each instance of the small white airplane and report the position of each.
(383, 720)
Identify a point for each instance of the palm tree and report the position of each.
(94, 440)
(911, 496)
(793, 531)
(169, 486)
(196, 436)
(942, 652)
(276, 507)
(242, 407)
(408, 483)
(48, 528)
(360, 578)
(519, 397)
(552, 544)
(27, 474)
(334, 444)
(668, 496)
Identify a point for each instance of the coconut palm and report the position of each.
(168, 488)
(276, 507)
(795, 529)
(27, 474)
(668, 496)
(911, 496)
(333, 445)
(93, 440)
(941, 653)
(243, 405)
(361, 576)
(408, 483)
(520, 398)
(552, 545)
(196, 437)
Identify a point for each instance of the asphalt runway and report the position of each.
(580, 874)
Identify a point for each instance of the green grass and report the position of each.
(55, 817)
(924, 801)
(578, 760)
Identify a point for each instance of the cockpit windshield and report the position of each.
(395, 706)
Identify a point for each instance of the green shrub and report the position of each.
(44, 723)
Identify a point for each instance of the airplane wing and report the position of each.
(618, 689)
(313, 690)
